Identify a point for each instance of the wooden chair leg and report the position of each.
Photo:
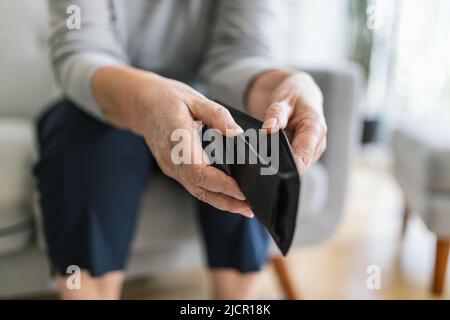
(440, 265)
(405, 218)
(285, 278)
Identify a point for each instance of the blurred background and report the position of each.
(403, 47)
(381, 228)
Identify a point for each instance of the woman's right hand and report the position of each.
(154, 107)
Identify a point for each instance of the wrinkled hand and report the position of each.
(295, 104)
(164, 105)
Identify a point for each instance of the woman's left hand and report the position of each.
(292, 101)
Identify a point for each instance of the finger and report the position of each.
(215, 116)
(306, 139)
(198, 172)
(277, 116)
(321, 149)
(212, 179)
(186, 146)
(222, 202)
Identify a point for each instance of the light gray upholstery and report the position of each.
(422, 168)
(26, 79)
(342, 87)
(17, 152)
(167, 236)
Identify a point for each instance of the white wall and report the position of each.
(314, 31)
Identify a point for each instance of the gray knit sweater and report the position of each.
(224, 43)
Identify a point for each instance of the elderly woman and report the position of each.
(128, 74)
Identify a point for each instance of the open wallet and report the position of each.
(270, 183)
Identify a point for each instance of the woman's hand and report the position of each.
(154, 107)
(292, 101)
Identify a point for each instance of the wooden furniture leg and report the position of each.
(285, 278)
(406, 214)
(440, 265)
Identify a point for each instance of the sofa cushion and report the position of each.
(167, 216)
(16, 158)
(422, 154)
(26, 77)
(16, 238)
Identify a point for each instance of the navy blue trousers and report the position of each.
(90, 177)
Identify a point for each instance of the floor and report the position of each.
(366, 245)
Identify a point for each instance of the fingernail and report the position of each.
(240, 196)
(270, 123)
(234, 129)
(247, 213)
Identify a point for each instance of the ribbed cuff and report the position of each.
(77, 75)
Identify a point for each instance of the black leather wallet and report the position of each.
(274, 197)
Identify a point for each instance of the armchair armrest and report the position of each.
(342, 88)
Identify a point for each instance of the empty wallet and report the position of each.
(273, 197)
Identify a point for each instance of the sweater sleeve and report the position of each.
(77, 53)
(240, 48)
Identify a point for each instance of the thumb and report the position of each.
(277, 116)
(215, 116)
